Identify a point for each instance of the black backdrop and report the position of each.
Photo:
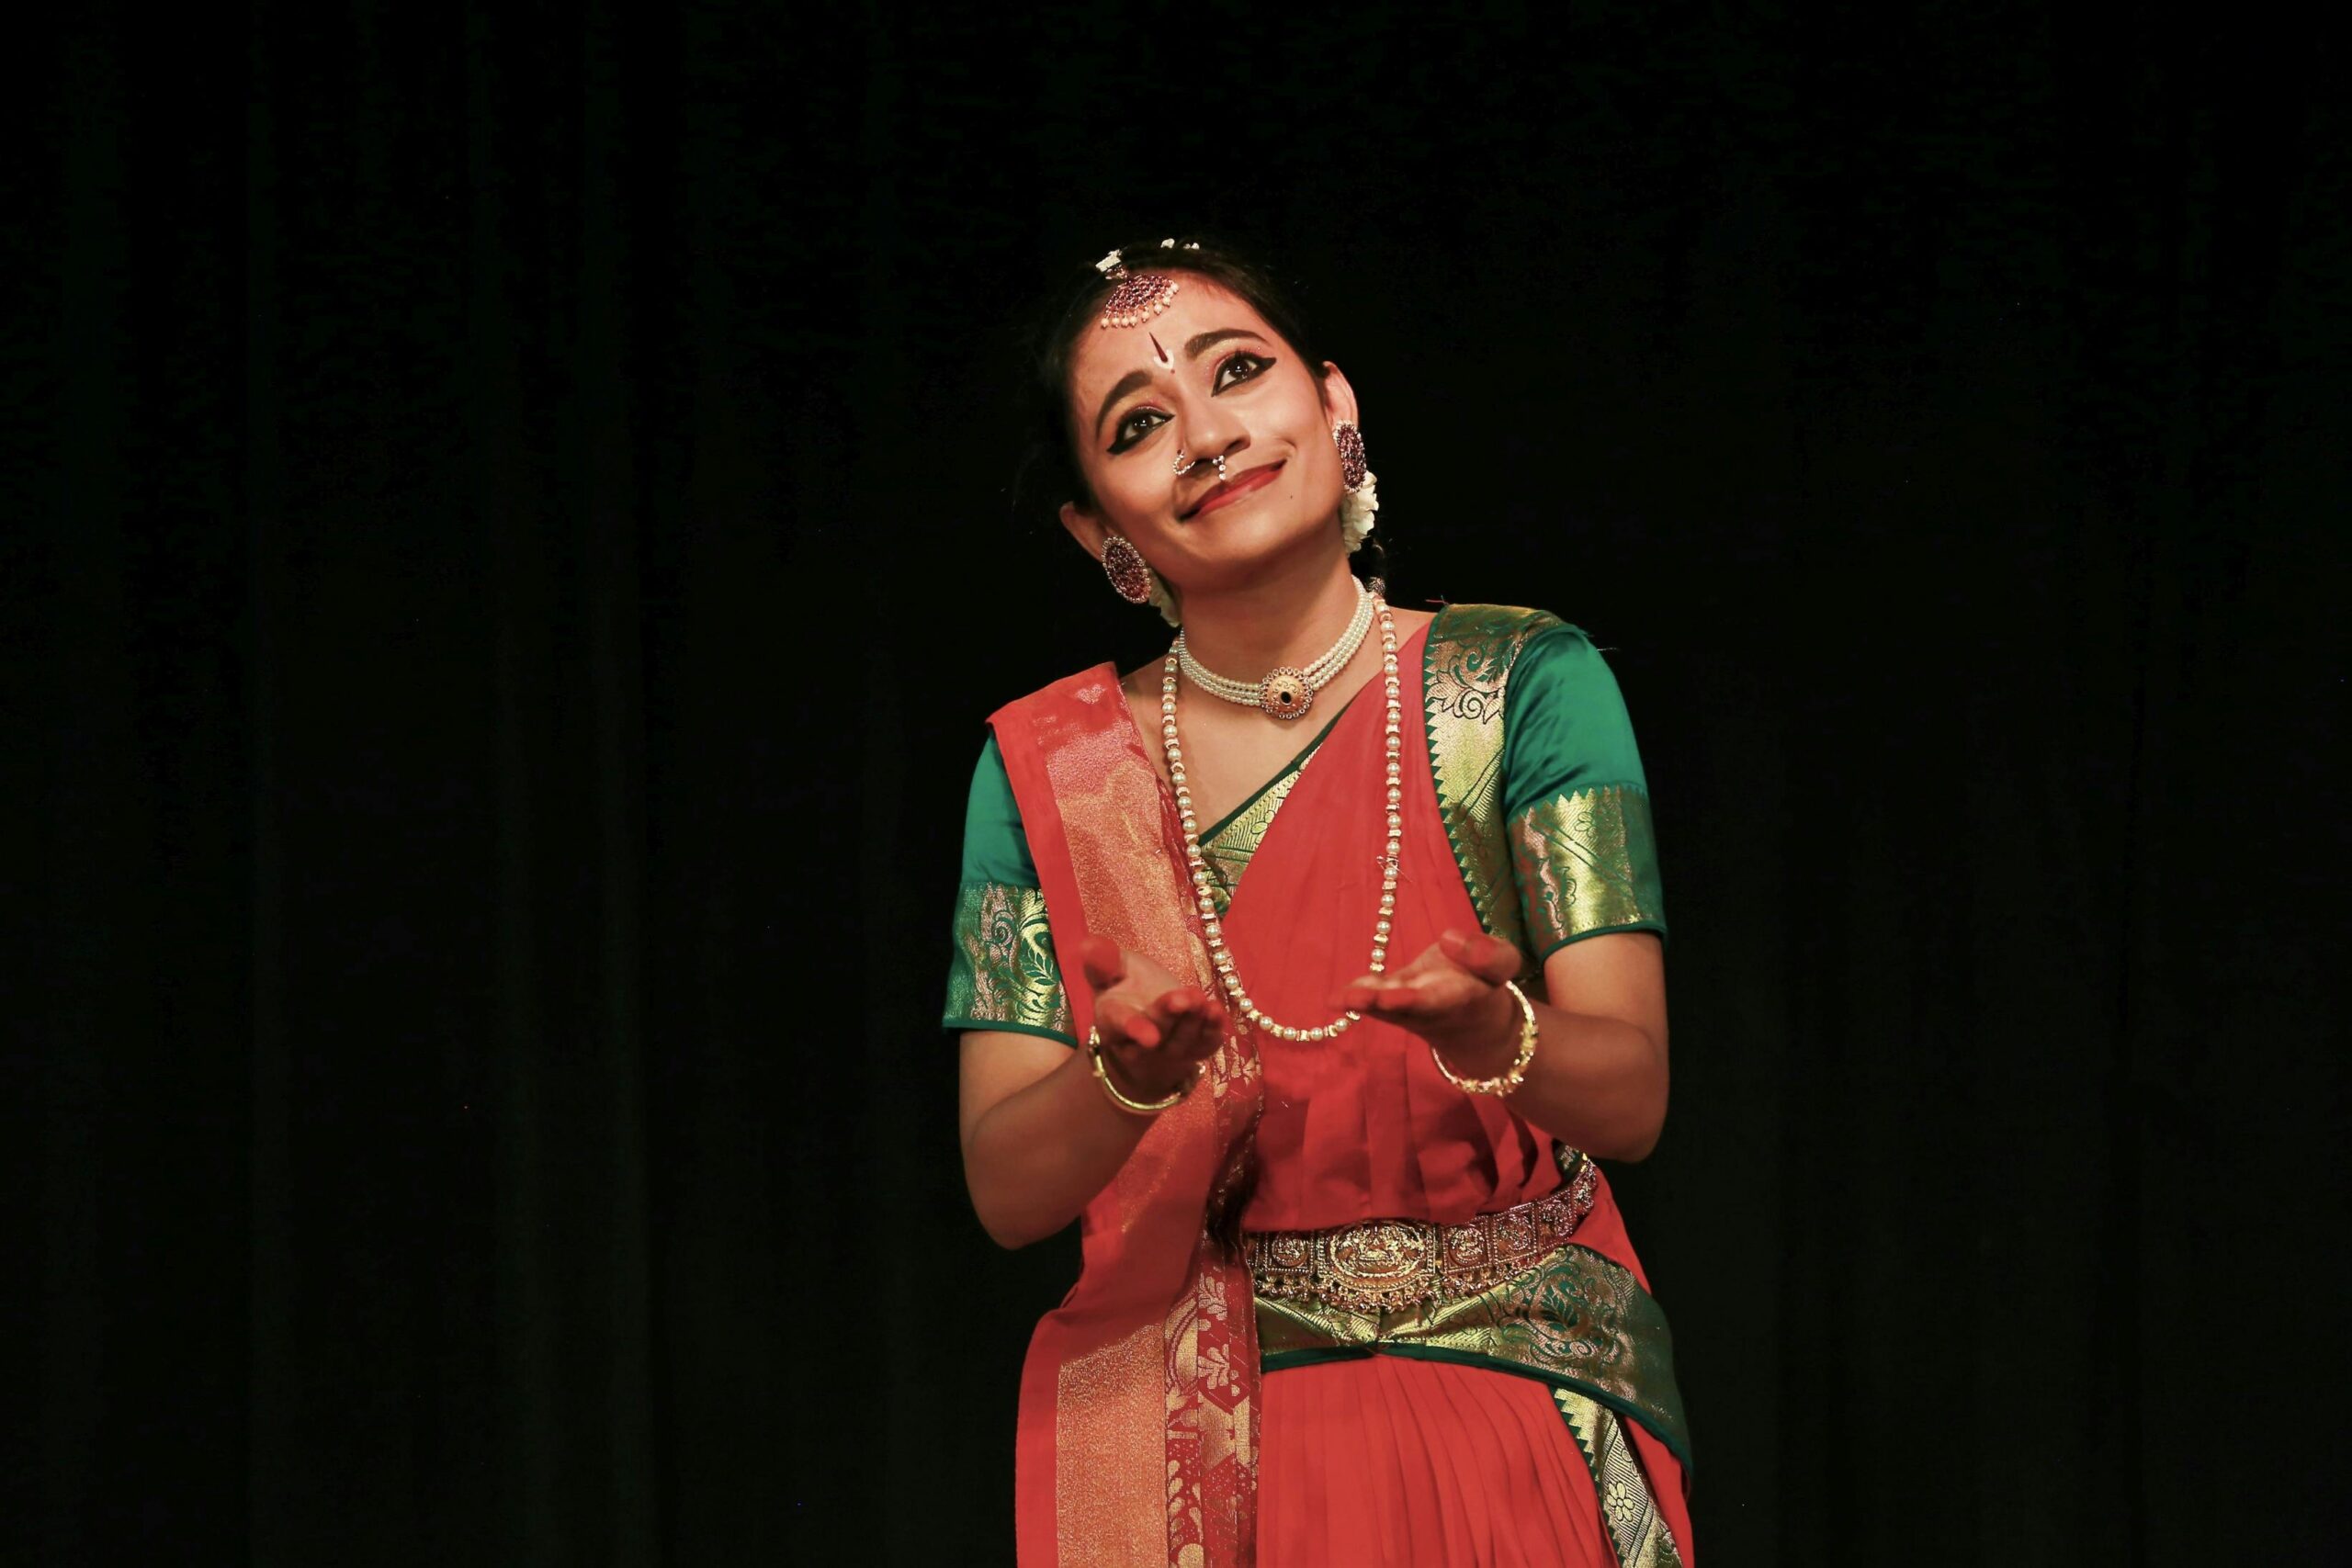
(513, 546)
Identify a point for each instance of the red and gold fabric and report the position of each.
(1151, 1430)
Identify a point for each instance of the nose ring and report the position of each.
(1184, 467)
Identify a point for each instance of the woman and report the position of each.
(1367, 946)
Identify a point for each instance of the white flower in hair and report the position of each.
(1356, 507)
(1107, 263)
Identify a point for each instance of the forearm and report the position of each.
(1596, 1083)
(1038, 1157)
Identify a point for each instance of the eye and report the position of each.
(1242, 366)
(1134, 427)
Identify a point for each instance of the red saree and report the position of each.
(1142, 1396)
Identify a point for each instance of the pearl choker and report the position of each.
(1288, 691)
(1211, 927)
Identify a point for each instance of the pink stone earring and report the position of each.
(1130, 574)
(1350, 441)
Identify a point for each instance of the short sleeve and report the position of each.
(1002, 974)
(1584, 855)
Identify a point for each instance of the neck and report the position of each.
(1289, 614)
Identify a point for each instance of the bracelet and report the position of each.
(1517, 1072)
(1135, 1107)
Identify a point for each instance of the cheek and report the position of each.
(1132, 493)
(1308, 422)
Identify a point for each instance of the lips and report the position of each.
(1231, 489)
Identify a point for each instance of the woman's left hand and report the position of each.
(1453, 997)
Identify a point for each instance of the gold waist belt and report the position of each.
(1379, 1266)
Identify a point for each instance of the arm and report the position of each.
(1598, 1080)
(1040, 1136)
(1585, 870)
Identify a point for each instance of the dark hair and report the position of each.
(1050, 464)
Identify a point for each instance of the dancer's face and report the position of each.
(1209, 377)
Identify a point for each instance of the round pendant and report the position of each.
(1284, 693)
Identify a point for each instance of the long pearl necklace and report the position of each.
(1211, 927)
(1287, 691)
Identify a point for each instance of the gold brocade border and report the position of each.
(1575, 1320)
(1005, 970)
(1629, 1507)
(1181, 1425)
(1236, 840)
(1584, 863)
(1465, 665)
(1107, 1461)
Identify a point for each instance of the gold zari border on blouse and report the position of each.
(1584, 863)
(1005, 970)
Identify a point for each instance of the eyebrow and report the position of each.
(1195, 346)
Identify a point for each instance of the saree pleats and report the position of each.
(1388, 1461)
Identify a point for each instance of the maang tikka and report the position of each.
(1139, 296)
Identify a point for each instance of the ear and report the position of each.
(1338, 397)
(1085, 527)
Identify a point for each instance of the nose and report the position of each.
(1212, 431)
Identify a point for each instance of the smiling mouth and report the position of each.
(1232, 489)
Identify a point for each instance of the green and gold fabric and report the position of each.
(1538, 779)
(1003, 974)
(1579, 1323)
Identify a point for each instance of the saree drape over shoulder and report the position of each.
(1170, 1415)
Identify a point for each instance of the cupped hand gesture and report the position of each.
(1453, 997)
(1155, 1029)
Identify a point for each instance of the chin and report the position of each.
(1228, 551)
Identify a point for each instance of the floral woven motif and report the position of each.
(1005, 973)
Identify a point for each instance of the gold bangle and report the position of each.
(1134, 1106)
(1517, 1072)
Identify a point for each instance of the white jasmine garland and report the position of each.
(1356, 507)
(1164, 601)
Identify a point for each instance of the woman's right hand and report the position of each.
(1155, 1029)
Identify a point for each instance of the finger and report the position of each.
(1177, 1003)
(1173, 1009)
(1122, 1019)
(1197, 1037)
(1490, 958)
(1384, 997)
(1102, 962)
(1382, 993)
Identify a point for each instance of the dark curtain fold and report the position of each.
(518, 538)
